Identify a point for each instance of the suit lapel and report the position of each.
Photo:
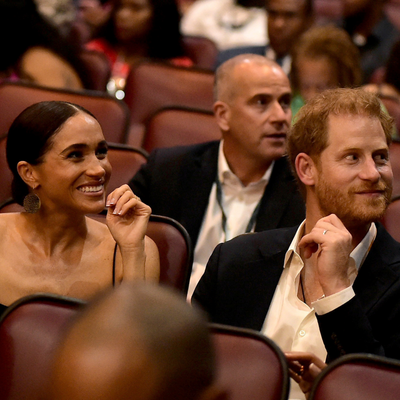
(196, 183)
(276, 197)
(264, 275)
(375, 276)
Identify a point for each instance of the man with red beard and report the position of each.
(332, 285)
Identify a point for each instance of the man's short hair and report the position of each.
(309, 133)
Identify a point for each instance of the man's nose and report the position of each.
(369, 170)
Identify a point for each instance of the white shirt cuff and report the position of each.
(327, 304)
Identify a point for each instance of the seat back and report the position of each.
(201, 50)
(98, 68)
(249, 365)
(125, 161)
(394, 150)
(151, 86)
(175, 126)
(30, 330)
(176, 254)
(358, 377)
(111, 113)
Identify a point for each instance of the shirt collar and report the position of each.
(224, 172)
(359, 254)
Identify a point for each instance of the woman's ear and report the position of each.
(306, 169)
(27, 174)
(222, 113)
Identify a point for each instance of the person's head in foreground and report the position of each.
(338, 149)
(46, 146)
(137, 342)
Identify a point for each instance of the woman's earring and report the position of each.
(32, 203)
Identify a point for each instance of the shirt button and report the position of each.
(302, 333)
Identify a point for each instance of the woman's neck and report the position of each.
(54, 232)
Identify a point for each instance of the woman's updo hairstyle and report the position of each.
(31, 136)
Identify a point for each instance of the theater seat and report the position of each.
(358, 377)
(111, 113)
(151, 86)
(30, 330)
(178, 126)
(249, 365)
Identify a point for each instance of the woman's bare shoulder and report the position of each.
(98, 229)
(8, 220)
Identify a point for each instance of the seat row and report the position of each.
(249, 365)
(150, 87)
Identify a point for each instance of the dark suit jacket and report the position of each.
(177, 181)
(242, 274)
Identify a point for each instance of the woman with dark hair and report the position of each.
(140, 29)
(34, 50)
(58, 156)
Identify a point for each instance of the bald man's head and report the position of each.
(137, 341)
(226, 79)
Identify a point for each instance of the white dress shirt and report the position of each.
(238, 202)
(291, 323)
(226, 23)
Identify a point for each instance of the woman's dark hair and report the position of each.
(31, 136)
(165, 39)
(22, 27)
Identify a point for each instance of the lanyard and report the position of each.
(223, 222)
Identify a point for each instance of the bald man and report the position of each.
(138, 341)
(218, 190)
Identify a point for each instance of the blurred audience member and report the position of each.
(61, 13)
(228, 23)
(139, 29)
(93, 14)
(371, 31)
(139, 342)
(323, 58)
(287, 20)
(35, 51)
